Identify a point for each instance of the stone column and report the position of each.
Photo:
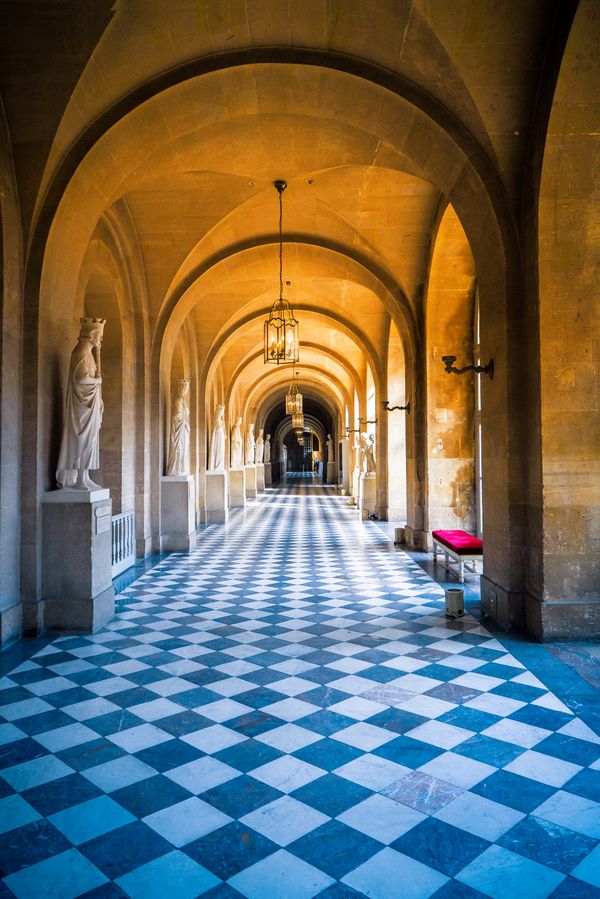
(250, 481)
(177, 513)
(260, 477)
(345, 444)
(268, 474)
(77, 555)
(217, 505)
(237, 488)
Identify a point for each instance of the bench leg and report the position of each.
(435, 553)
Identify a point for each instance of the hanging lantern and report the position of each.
(293, 400)
(281, 344)
(298, 421)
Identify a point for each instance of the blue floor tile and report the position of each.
(169, 755)
(517, 792)
(61, 794)
(149, 795)
(440, 845)
(30, 844)
(335, 848)
(406, 751)
(548, 844)
(230, 849)
(248, 755)
(328, 754)
(125, 849)
(331, 794)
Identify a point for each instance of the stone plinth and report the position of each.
(331, 473)
(237, 488)
(177, 513)
(368, 505)
(356, 485)
(76, 558)
(260, 477)
(268, 474)
(250, 481)
(217, 498)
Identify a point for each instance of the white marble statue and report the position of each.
(267, 454)
(330, 450)
(250, 445)
(259, 450)
(178, 464)
(237, 444)
(79, 450)
(283, 456)
(217, 441)
(363, 442)
(370, 455)
(356, 451)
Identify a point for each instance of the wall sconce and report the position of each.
(365, 421)
(388, 408)
(352, 431)
(478, 369)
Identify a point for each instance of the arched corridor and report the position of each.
(287, 289)
(287, 710)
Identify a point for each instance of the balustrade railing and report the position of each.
(123, 542)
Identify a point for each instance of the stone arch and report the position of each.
(450, 399)
(460, 167)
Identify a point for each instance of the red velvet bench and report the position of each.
(458, 547)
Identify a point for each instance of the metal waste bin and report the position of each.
(455, 603)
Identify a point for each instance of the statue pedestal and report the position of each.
(250, 481)
(217, 510)
(76, 558)
(331, 473)
(356, 485)
(237, 488)
(368, 504)
(268, 474)
(177, 514)
(260, 477)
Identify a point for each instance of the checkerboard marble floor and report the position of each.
(288, 713)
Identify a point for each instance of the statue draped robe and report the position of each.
(83, 416)
(179, 449)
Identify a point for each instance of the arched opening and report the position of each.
(396, 425)
(450, 318)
